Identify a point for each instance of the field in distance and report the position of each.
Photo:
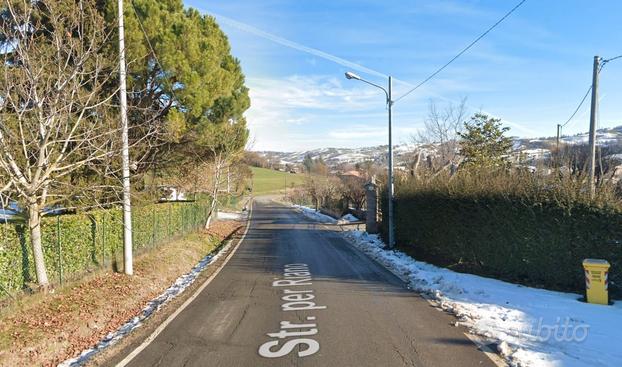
(267, 181)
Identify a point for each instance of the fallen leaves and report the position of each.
(62, 324)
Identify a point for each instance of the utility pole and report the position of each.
(557, 154)
(128, 266)
(593, 116)
(391, 182)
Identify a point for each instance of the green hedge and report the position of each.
(75, 244)
(516, 238)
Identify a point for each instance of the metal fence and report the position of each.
(79, 243)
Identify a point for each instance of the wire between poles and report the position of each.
(612, 59)
(463, 50)
(578, 107)
(602, 65)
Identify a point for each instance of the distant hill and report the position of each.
(534, 148)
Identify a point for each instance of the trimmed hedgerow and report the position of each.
(78, 243)
(520, 230)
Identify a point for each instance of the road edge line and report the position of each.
(492, 355)
(124, 362)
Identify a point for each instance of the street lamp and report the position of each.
(389, 101)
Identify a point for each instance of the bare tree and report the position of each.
(322, 189)
(353, 191)
(441, 127)
(53, 104)
(217, 151)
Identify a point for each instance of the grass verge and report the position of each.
(267, 181)
(44, 330)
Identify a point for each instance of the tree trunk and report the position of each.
(212, 209)
(34, 227)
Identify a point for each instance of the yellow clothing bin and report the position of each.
(596, 281)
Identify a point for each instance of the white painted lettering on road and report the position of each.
(298, 334)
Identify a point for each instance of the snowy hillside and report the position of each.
(531, 149)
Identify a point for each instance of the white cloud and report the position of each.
(284, 112)
(310, 92)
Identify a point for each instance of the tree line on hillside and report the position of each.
(60, 133)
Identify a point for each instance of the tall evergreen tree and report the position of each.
(483, 143)
(182, 77)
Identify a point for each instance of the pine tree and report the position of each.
(308, 163)
(483, 143)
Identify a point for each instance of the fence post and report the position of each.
(153, 226)
(183, 220)
(94, 233)
(59, 250)
(104, 238)
(170, 214)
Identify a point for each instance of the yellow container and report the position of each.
(596, 281)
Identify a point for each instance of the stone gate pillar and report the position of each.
(371, 197)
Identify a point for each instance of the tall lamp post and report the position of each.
(389, 101)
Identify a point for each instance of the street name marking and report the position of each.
(296, 299)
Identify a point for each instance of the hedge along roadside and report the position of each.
(510, 237)
(78, 243)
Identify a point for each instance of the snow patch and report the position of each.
(154, 305)
(230, 216)
(314, 214)
(532, 327)
(348, 218)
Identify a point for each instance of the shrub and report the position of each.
(517, 227)
(78, 243)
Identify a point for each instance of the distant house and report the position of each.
(172, 193)
(10, 212)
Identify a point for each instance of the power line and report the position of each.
(612, 59)
(602, 65)
(578, 107)
(463, 50)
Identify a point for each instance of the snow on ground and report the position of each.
(154, 305)
(315, 215)
(230, 216)
(533, 327)
(349, 218)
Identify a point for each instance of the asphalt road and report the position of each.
(296, 294)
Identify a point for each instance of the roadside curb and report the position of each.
(481, 343)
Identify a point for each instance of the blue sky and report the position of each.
(531, 71)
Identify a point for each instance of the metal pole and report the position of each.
(60, 250)
(557, 153)
(127, 206)
(170, 214)
(153, 226)
(390, 185)
(593, 116)
(104, 239)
